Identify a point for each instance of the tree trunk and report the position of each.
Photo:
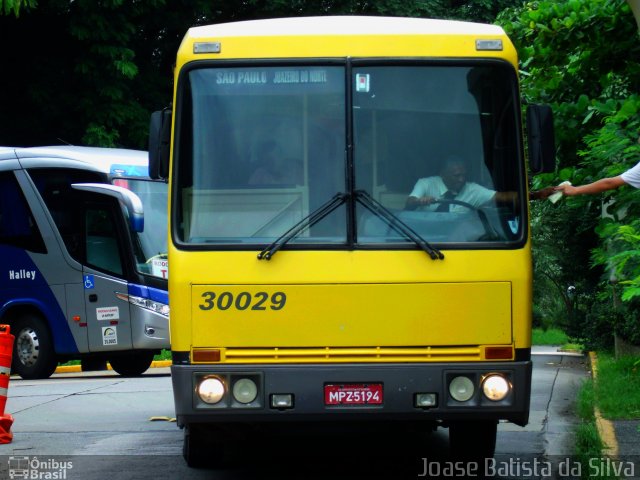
(624, 348)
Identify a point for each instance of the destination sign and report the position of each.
(267, 81)
(263, 77)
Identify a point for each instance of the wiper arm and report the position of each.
(490, 231)
(307, 222)
(398, 225)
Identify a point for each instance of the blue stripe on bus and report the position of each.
(155, 294)
(124, 170)
(21, 283)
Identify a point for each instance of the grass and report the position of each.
(616, 394)
(555, 337)
(617, 391)
(551, 336)
(588, 444)
(163, 355)
(70, 362)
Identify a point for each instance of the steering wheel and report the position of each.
(454, 202)
(490, 233)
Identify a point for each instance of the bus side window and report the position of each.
(17, 225)
(101, 239)
(64, 203)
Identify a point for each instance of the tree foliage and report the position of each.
(8, 7)
(87, 72)
(92, 70)
(581, 56)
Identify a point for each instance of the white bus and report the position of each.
(81, 276)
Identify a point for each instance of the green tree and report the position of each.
(8, 7)
(580, 57)
(91, 72)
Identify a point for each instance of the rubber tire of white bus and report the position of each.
(132, 364)
(31, 331)
(473, 440)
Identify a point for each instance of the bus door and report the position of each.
(104, 276)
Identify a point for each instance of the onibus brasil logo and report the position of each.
(38, 469)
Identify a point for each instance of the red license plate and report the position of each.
(353, 394)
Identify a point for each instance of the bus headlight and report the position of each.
(495, 387)
(245, 390)
(211, 390)
(157, 307)
(461, 388)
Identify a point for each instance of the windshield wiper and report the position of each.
(307, 222)
(398, 225)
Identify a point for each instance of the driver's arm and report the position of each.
(505, 197)
(415, 202)
(512, 197)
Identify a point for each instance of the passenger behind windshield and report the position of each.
(274, 168)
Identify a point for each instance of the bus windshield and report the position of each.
(151, 244)
(436, 144)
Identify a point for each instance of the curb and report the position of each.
(605, 427)
(78, 368)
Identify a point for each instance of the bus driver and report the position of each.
(452, 184)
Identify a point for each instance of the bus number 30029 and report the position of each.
(243, 301)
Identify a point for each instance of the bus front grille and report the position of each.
(350, 354)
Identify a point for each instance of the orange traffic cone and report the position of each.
(6, 349)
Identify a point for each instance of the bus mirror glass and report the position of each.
(130, 200)
(159, 144)
(541, 140)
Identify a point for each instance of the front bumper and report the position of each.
(306, 384)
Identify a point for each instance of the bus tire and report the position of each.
(193, 447)
(473, 440)
(132, 364)
(33, 355)
(202, 447)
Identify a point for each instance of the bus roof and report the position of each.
(345, 36)
(114, 161)
(344, 25)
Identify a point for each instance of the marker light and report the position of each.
(426, 400)
(495, 387)
(211, 390)
(206, 355)
(461, 389)
(281, 400)
(495, 45)
(206, 47)
(245, 390)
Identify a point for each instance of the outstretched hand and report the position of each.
(568, 190)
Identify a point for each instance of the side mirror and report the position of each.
(130, 200)
(159, 144)
(541, 139)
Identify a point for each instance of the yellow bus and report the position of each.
(349, 234)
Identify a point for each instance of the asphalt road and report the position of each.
(99, 426)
